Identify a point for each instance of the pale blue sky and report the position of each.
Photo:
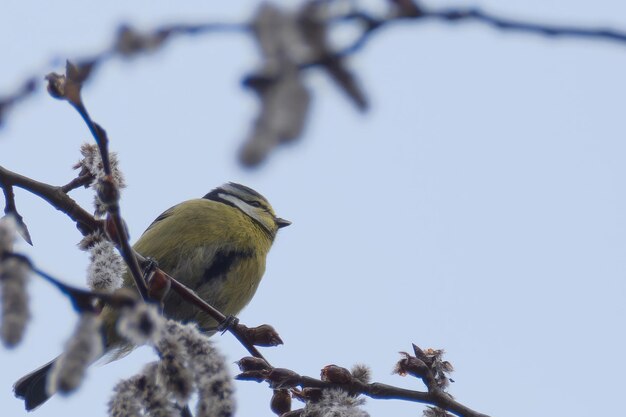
(479, 206)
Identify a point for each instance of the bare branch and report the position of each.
(54, 196)
(25, 90)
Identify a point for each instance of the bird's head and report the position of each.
(251, 203)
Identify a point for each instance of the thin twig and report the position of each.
(80, 181)
(26, 89)
(454, 15)
(372, 24)
(389, 392)
(54, 196)
(98, 134)
(129, 42)
(109, 190)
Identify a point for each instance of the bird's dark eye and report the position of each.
(254, 203)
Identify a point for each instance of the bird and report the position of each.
(216, 245)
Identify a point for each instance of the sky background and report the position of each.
(478, 207)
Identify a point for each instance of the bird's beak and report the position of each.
(282, 222)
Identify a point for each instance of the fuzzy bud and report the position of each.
(90, 240)
(140, 324)
(436, 412)
(125, 401)
(56, 85)
(8, 233)
(439, 368)
(335, 402)
(14, 276)
(362, 373)
(83, 348)
(141, 395)
(173, 370)
(106, 268)
(215, 386)
(91, 164)
(68, 86)
(336, 374)
(210, 373)
(107, 190)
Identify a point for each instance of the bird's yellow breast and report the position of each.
(211, 247)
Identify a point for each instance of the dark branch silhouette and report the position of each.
(312, 24)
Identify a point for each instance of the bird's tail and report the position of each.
(32, 387)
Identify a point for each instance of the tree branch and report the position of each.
(128, 42)
(54, 196)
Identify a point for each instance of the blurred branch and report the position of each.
(127, 43)
(25, 90)
(408, 11)
(296, 40)
(454, 15)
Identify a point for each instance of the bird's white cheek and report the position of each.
(245, 207)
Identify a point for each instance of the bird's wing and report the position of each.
(161, 216)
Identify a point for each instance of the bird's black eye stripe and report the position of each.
(254, 203)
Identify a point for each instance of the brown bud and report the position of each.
(258, 376)
(281, 401)
(56, 85)
(336, 374)
(111, 230)
(108, 191)
(420, 354)
(78, 73)
(447, 366)
(68, 86)
(434, 354)
(158, 285)
(250, 363)
(90, 239)
(263, 335)
(410, 365)
(283, 378)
